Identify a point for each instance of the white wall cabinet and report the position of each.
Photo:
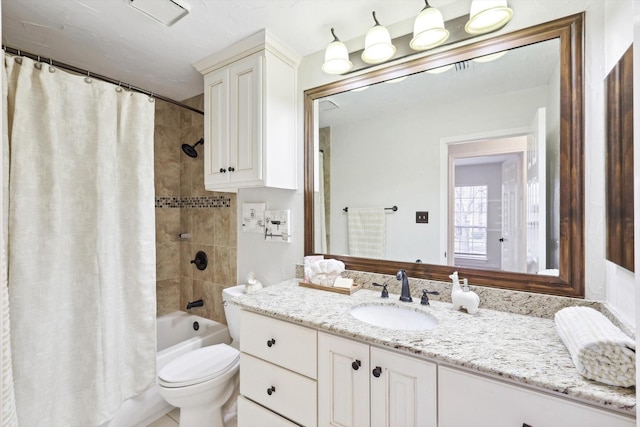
(250, 115)
(359, 385)
(467, 399)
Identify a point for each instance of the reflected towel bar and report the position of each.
(393, 208)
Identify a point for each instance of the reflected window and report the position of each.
(470, 221)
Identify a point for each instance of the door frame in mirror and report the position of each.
(570, 282)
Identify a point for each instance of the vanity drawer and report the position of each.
(285, 392)
(285, 344)
(250, 414)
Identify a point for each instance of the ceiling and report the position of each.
(110, 38)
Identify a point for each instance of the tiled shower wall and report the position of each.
(183, 206)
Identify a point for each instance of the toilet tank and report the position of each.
(232, 311)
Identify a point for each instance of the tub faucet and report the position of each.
(405, 295)
(198, 303)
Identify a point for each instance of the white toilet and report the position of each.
(201, 381)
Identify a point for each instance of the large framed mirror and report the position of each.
(480, 148)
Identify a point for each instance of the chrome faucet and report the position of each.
(405, 295)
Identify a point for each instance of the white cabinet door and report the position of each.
(343, 382)
(245, 132)
(467, 399)
(403, 391)
(233, 135)
(216, 130)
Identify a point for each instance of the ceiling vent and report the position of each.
(167, 12)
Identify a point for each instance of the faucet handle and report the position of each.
(385, 292)
(425, 298)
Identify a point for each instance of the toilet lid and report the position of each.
(200, 365)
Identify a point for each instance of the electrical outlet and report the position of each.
(422, 217)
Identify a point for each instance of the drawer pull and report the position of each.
(271, 342)
(271, 390)
(356, 365)
(377, 371)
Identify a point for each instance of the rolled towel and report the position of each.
(599, 350)
(324, 272)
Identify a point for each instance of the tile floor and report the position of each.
(169, 420)
(172, 418)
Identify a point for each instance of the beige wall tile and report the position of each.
(167, 296)
(202, 225)
(186, 292)
(221, 226)
(186, 255)
(222, 262)
(198, 293)
(167, 260)
(167, 179)
(167, 225)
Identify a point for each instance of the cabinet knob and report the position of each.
(377, 371)
(231, 169)
(356, 365)
(271, 390)
(271, 342)
(222, 170)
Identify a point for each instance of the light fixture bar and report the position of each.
(167, 12)
(457, 34)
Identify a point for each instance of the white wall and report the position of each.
(276, 263)
(404, 146)
(618, 36)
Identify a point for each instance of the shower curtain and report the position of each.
(81, 245)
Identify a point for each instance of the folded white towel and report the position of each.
(599, 349)
(324, 272)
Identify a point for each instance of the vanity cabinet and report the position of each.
(467, 399)
(250, 115)
(277, 373)
(360, 385)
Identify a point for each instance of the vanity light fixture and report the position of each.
(428, 32)
(487, 15)
(377, 44)
(428, 29)
(336, 57)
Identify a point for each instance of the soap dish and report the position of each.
(343, 291)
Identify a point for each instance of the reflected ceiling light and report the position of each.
(359, 89)
(487, 15)
(490, 57)
(441, 70)
(396, 80)
(428, 29)
(377, 44)
(336, 57)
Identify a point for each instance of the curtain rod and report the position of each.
(68, 67)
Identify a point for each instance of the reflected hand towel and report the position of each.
(367, 229)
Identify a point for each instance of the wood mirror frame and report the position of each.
(570, 281)
(619, 161)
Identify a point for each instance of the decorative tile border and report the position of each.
(193, 202)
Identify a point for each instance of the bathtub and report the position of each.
(176, 336)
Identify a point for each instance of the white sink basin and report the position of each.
(393, 317)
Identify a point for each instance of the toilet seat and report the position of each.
(200, 365)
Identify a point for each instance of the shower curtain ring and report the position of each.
(151, 97)
(38, 64)
(88, 78)
(52, 69)
(119, 87)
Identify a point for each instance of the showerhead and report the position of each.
(190, 150)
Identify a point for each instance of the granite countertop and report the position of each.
(523, 349)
